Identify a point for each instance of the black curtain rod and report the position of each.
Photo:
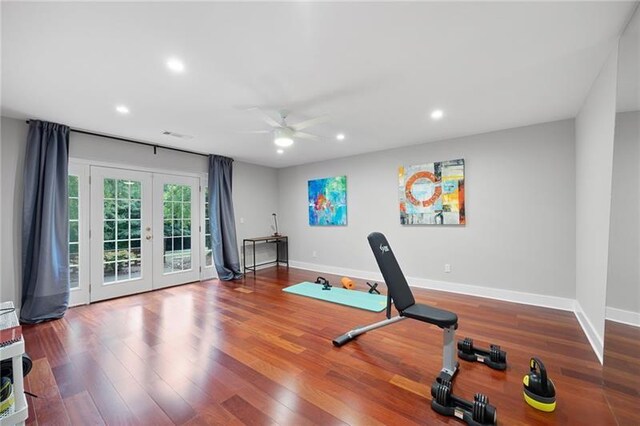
(118, 138)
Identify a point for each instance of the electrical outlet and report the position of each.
(447, 268)
(314, 254)
(242, 220)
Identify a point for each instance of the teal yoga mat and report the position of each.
(341, 296)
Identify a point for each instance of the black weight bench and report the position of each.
(400, 294)
(477, 412)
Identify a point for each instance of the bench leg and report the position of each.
(449, 363)
(349, 336)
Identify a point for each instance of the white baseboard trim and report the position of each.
(553, 302)
(596, 341)
(622, 316)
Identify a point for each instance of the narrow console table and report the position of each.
(282, 250)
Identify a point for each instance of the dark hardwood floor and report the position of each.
(248, 353)
(622, 372)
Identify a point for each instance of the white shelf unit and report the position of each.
(19, 411)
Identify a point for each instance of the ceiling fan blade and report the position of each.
(303, 135)
(267, 119)
(255, 131)
(309, 123)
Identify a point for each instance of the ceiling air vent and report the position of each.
(177, 135)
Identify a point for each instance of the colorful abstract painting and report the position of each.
(432, 194)
(328, 201)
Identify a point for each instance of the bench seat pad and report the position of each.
(432, 315)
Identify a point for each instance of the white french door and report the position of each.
(144, 231)
(121, 237)
(176, 242)
(78, 234)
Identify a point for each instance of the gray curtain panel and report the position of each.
(45, 223)
(222, 221)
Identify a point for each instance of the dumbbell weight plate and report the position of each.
(466, 345)
(441, 392)
(497, 355)
(479, 411)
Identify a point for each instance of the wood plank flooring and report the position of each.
(622, 372)
(248, 353)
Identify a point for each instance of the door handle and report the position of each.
(148, 237)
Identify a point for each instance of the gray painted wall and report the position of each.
(1, 216)
(623, 280)
(520, 209)
(254, 189)
(594, 158)
(106, 150)
(255, 198)
(12, 142)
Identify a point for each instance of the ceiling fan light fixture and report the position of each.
(283, 141)
(283, 137)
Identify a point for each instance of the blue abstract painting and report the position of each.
(328, 201)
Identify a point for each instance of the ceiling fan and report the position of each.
(284, 133)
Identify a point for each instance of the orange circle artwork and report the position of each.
(409, 185)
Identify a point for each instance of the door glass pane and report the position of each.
(134, 228)
(123, 189)
(109, 230)
(74, 226)
(177, 228)
(123, 209)
(122, 259)
(135, 191)
(109, 189)
(207, 230)
(135, 209)
(134, 263)
(109, 209)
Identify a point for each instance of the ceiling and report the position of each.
(377, 69)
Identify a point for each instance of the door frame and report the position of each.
(81, 295)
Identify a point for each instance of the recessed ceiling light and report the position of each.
(122, 109)
(437, 114)
(175, 65)
(280, 151)
(340, 136)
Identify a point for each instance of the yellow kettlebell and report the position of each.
(539, 390)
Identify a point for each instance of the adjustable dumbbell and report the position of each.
(495, 357)
(476, 413)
